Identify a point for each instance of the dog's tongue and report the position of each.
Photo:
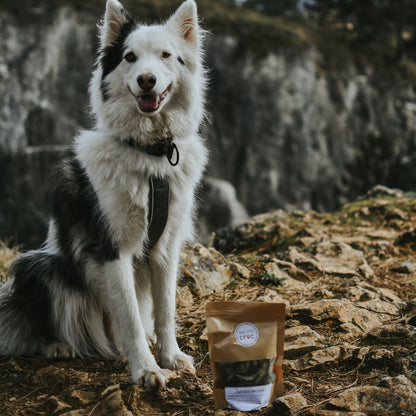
(148, 103)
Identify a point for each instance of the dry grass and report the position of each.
(6, 255)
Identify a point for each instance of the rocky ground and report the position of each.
(349, 282)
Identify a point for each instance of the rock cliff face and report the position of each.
(45, 68)
(289, 134)
(283, 131)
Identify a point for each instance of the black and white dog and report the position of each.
(100, 285)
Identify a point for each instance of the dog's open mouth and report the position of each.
(148, 103)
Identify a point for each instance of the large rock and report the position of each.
(289, 404)
(395, 395)
(206, 268)
(218, 207)
(349, 318)
(332, 258)
(325, 357)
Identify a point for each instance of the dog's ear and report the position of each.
(185, 23)
(114, 19)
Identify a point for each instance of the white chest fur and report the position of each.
(120, 176)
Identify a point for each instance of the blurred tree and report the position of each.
(273, 7)
(384, 21)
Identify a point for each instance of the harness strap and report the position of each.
(159, 189)
(159, 195)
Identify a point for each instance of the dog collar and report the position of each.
(161, 147)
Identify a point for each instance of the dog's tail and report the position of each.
(47, 301)
(24, 306)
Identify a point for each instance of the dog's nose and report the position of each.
(146, 81)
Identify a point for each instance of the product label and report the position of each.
(248, 398)
(246, 334)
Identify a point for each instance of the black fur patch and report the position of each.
(76, 212)
(31, 302)
(112, 55)
(80, 225)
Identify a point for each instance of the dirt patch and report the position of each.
(348, 280)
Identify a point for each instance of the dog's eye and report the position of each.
(165, 55)
(130, 57)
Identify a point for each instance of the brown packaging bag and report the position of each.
(245, 342)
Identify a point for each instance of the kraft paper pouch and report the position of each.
(245, 342)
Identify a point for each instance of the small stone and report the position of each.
(204, 335)
(275, 274)
(253, 232)
(56, 405)
(83, 397)
(406, 238)
(340, 413)
(340, 258)
(41, 397)
(305, 262)
(110, 389)
(389, 296)
(409, 308)
(393, 334)
(271, 295)
(398, 382)
(292, 270)
(112, 405)
(324, 356)
(386, 311)
(83, 377)
(292, 284)
(240, 270)
(366, 271)
(289, 405)
(378, 191)
(79, 412)
(184, 297)
(359, 294)
(52, 375)
(403, 268)
(14, 365)
(380, 355)
(300, 340)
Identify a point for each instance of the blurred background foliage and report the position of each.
(382, 29)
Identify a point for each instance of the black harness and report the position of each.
(159, 189)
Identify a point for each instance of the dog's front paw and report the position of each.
(153, 377)
(178, 361)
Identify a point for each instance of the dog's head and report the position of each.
(144, 71)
